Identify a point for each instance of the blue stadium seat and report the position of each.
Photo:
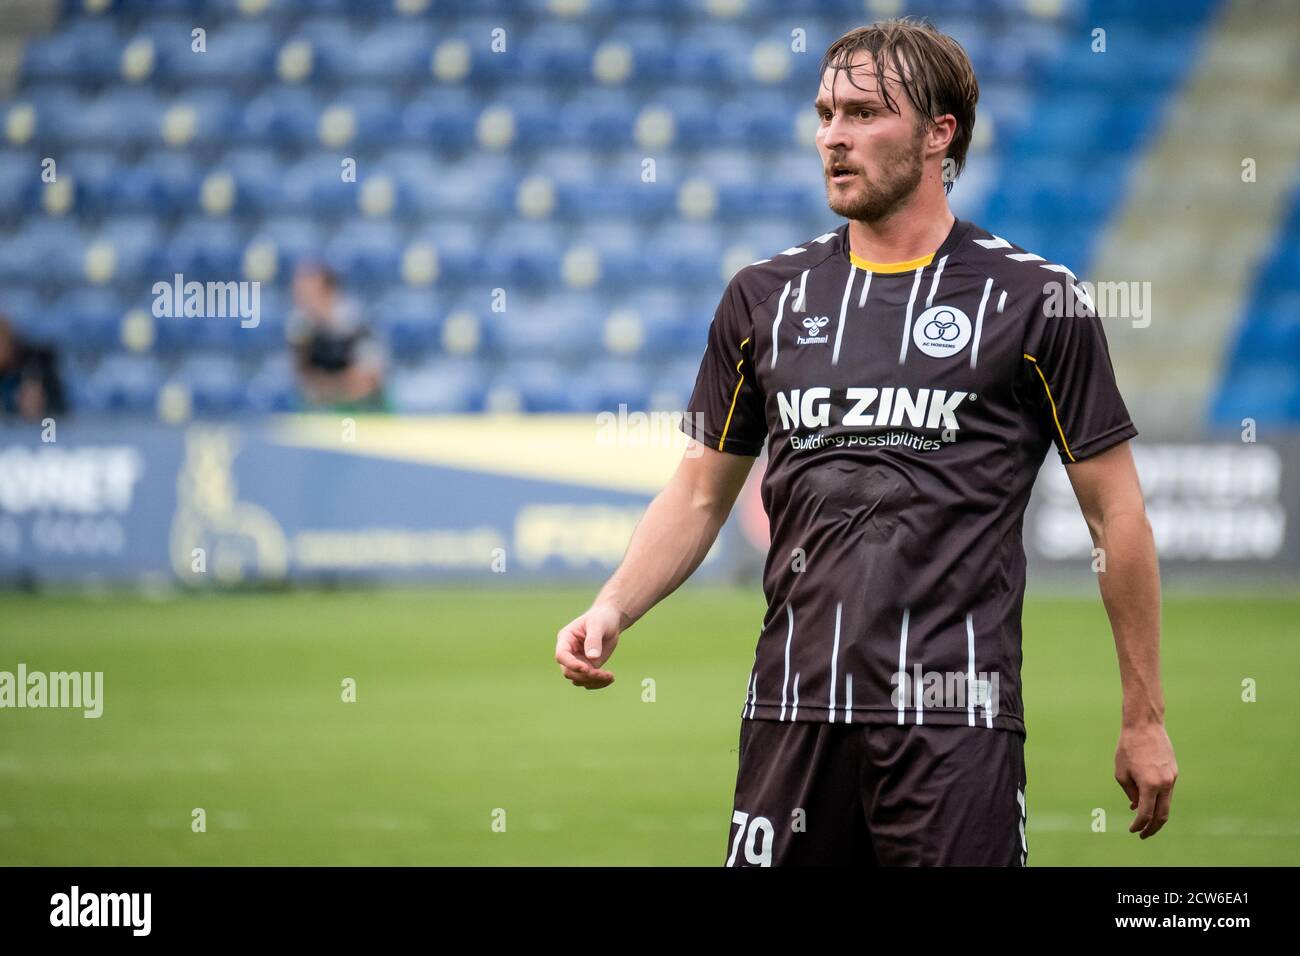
(391, 52)
(52, 105)
(608, 383)
(713, 53)
(121, 117)
(760, 119)
(215, 383)
(459, 247)
(332, 41)
(530, 252)
(651, 43)
(366, 251)
(1267, 392)
(123, 384)
(53, 249)
(280, 116)
(618, 244)
(215, 112)
(483, 186)
(441, 386)
(555, 51)
(659, 323)
(675, 380)
(32, 317)
(22, 304)
(237, 51)
(684, 252)
(86, 50)
(314, 186)
(562, 326)
(94, 173)
(92, 318)
(376, 112)
(201, 249)
(293, 237)
(440, 117)
(138, 8)
(603, 116)
(162, 183)
(259, 179)
(134, 240)
(271, 389)
(535, 113)
(694, 113)
(410, 319)
(476, 35)
(268, 335)
(170, 40)
(536, 386)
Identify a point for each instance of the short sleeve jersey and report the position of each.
(906, 410)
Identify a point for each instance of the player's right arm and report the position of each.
(669, 543)
(725, 421)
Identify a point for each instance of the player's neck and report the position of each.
(912, 232)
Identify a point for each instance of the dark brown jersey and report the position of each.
(906, 411)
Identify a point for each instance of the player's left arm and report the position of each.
(1106, 485)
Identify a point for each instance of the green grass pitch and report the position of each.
(233, 704)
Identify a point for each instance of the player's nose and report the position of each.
(835, 136)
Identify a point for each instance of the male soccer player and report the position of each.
(908, 372)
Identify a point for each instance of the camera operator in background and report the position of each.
(29, 378)
(339, 361)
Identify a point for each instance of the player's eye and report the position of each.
(866, 113)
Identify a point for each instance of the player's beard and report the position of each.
(900, 174)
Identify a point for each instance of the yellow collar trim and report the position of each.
(887, 267)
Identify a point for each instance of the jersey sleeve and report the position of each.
(725, 410)
(1071, 377)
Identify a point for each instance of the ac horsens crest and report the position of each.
(941, 330)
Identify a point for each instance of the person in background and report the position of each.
(339, 361)
(29, 377)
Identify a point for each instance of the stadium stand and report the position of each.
(521, 170)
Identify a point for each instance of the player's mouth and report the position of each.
(840, 174)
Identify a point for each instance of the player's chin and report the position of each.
(843, 199)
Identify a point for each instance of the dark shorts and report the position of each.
(820, 794)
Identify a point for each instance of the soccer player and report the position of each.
(908, 372)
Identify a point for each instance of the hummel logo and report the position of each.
(814, 324)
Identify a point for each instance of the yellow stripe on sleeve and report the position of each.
(1051, 401)
(734, 395)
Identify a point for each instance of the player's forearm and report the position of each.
(667, 546)
(1130, 589)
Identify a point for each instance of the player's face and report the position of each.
(310, 292)
(872, 157)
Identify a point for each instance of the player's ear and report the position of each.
(940, 134)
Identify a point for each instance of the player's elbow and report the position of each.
(1119, 524)
(701, 497)
(709, 482)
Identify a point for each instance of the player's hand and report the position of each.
(1146, 770)
(586, 643)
